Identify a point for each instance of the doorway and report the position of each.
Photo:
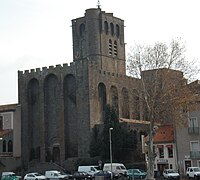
(56, 154)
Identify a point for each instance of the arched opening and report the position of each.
(112, 29)
(117, 30)
(82, 29)
(106, 27)
(102, 101)
(4, 146)
(51, 114)
(10, 146)
(70, 116)
(56, 154)
(34, 117)
(114, 99)
(125, 104)
(136, 105)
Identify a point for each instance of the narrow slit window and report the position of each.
(110, 47)
(115, 48)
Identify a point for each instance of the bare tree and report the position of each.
(163, 90)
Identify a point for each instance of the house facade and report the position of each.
(188, 135)
(165, 148)
(10, 136)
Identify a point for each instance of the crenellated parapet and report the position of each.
(41, 73)
(58, 67)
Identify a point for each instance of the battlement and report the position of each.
(57, 67)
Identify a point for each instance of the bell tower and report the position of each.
(99, 36)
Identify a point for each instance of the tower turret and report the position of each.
(99, 36)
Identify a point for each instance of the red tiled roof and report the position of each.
(164, 133)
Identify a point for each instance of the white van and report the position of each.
(117, 168)
(89, 169)
(55, 175)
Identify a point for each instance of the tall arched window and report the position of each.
(10, 146)
(106, 27)
(114, 98)
(33, 116)
(51, 113)
(112, 29)
(82, 29)
(4, 146)
(1, 122)
(125, 103)
(117, 30)
(70, 116)
(102, 100)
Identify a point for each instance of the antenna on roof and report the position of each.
(98, 4)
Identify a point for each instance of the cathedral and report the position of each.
(60, 105)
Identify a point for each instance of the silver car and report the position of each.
(34, 176)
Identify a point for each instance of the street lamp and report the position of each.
(110, 140)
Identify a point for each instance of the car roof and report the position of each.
(119, 164)
(7, 173)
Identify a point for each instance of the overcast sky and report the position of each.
(37, 33)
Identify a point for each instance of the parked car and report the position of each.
(106, 174)
(171, 174)
(34, 176)
(193, 172)
(117, 168)
(56, 175)
(9, 176)
(89, 169)
(81, 175)
(136, 174)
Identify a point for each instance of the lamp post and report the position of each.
(110, 140)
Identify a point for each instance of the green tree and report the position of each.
(123, 141)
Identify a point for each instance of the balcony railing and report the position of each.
(193, 130)
(195, 154)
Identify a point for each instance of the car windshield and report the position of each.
(61, 173)
(37, 174)
(122, 167)
(97, 167)
(141, 170)
(172, 171)
(196, 169)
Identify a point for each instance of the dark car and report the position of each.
(136, 174)
(81, 175)
(105, 174)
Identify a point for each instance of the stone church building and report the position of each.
(60, 105)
